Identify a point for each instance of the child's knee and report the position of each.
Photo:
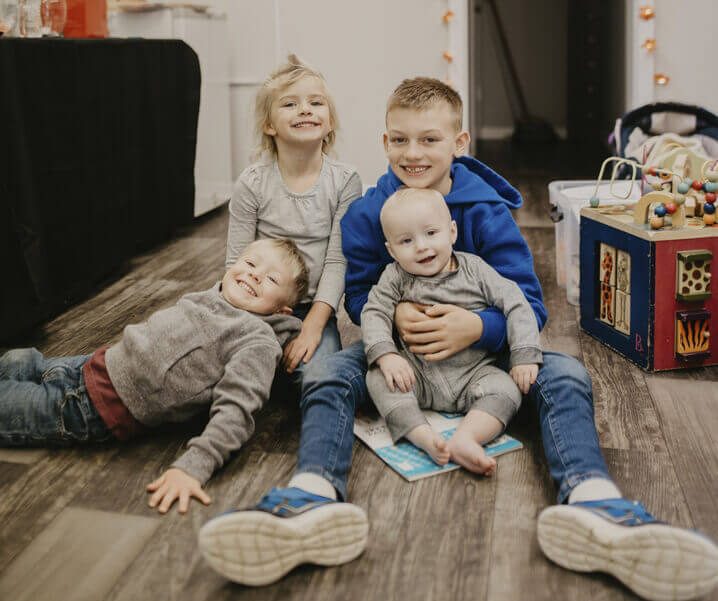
(17, 362)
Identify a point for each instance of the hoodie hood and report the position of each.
(472, 182)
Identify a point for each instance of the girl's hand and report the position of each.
(444, 331)
(302, 347)
(524, 376)
(396, 369)
(175, 484)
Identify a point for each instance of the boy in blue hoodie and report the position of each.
(425, 143)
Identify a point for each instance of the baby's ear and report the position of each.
(388, 248)
(454, 231)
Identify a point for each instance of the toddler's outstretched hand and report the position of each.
(175, 484)
(397, 370)
(524, 376)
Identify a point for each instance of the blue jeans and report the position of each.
(335, 388)
(328, 345)
(44, 402)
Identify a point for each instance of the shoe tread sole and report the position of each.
(656, 561)
(257, 548)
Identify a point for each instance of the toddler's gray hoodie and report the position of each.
(200, 352)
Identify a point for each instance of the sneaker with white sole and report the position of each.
(655, 560)
(288, 527)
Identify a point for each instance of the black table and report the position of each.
(97, 149)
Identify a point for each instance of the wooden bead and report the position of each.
(697, 184)
(709, 218)
(709, 208)
(594, 201)
(711, 187)
(710, 197)
(683, 187)
(656, 222)
(671, 207)
(660, 211)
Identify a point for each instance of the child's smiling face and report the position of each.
(260, 281)
(300, 113)
(421, 145)
(419, 231)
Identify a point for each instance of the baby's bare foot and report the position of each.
(434, 444)
(468, 453)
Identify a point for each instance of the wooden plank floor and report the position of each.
(455, 536)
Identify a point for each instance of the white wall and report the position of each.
(364, 49)
(685, 34)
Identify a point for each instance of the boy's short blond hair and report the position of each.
(300, 273)
(423, 92)
(292, 71)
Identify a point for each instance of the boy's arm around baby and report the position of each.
(522, 329)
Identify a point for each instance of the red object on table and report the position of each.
(86, 19)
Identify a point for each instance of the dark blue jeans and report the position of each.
(335, 388)
(44, 402)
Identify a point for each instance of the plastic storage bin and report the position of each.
(567, 198)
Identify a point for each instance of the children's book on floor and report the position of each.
(411, 462)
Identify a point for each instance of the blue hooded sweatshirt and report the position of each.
(480, 202)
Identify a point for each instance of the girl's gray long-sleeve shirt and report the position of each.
(201, 352)
(474, 285)
(263, 207)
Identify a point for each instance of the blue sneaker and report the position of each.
(655, 560)
(289, 526)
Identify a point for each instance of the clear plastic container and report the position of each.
(568, 198)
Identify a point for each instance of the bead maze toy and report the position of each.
(645, 286)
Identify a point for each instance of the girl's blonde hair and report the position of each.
(289, 73)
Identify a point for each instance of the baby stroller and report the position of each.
(658, 133)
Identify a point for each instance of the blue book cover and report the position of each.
(411, 462)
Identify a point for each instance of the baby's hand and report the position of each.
(524, 376)
(396, 369)
(174, 484)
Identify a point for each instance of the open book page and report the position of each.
(411, 462)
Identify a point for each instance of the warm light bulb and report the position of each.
(649, 44)
(646, 12)
(448, 56)
(660, 79)
(448, 15)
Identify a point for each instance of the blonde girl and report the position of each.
(295, 190)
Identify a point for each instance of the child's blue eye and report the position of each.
(406, 241)
(317, 103)
(288, 104)
(431, 232)
(431, 140)
(398, 140)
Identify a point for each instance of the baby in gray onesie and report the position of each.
(420, 234)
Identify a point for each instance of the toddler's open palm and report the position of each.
(172, 485)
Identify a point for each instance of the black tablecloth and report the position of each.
(97, 148)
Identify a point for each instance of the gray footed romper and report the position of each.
(467, 380)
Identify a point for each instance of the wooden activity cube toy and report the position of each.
(647, 293)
